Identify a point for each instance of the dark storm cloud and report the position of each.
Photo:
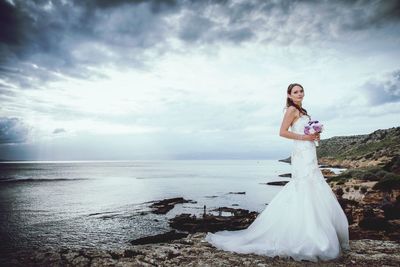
(41, 39)
(366, 14)
(197, 28)
(382, 92)
(8, 16)
(155, 5)
(12, 130)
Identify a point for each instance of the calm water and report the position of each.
(97, 204)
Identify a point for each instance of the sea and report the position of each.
(105, 204)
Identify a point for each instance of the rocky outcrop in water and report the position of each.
(160, 238)
(239, 219)
(165, 205)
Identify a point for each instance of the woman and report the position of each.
(304, 220)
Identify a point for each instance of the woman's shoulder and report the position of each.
(292, 110)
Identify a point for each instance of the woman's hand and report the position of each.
(311, 137)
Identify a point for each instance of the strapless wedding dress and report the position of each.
(303, 221)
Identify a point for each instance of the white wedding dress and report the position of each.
(303, 221)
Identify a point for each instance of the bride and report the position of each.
(304, 220)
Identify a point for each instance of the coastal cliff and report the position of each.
(369, 190)
(354, 151)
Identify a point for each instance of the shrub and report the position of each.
(390, 175)
(339, 191)
(334, 179)
(373, 169)
(369, 176)
(347, 174)
(381, 173)
(352, 173)
(363, 189)
(344, 174)
(393, 164)
(356, 187)
(389, 182)
(347, 189)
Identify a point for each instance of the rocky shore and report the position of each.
(369, 190)
(193, 251)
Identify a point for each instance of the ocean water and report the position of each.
(82, 204)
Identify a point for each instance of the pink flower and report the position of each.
(313, 127)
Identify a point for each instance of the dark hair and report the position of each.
(289, 101)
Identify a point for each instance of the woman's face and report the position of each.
(296, 94)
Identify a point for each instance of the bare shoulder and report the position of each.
(292, 110)
(292, 114)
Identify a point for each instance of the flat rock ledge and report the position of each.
(165, 205)
(194, 251)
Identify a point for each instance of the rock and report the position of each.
(115, 255)
(287, 160)
(373, 219)
(165, 237)
(285, 175)
(240, 219)
(80, 261)
(239, 193)
(373, 197)
(374, 223)
(327, 173)
(234, 211)
(391, 210)
(348, 207)
(281, 183)
(128, 253)
(165, 205)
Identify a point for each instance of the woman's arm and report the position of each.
(290, 115)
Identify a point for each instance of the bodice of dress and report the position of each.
(298, 125)
(303, 157)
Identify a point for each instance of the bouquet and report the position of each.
(312, 128)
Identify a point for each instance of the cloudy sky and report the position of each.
(98, 79)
